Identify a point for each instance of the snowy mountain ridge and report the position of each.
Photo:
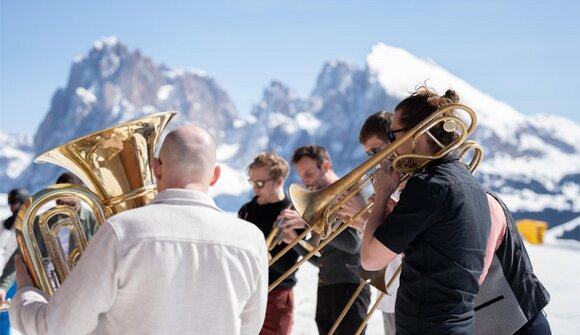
(531, 161)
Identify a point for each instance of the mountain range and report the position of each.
(533, 162)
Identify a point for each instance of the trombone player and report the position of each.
(336, 284)
(267, 174)
(441, 223)
(373, 138)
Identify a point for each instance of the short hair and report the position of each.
(313, 151)
(69, 178)
(277, 166)
(421, 104)
(377, 125)
(17, 196)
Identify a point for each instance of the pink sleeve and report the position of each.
(496, 233)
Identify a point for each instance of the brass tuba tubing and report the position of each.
(24, 226)
(115, 164)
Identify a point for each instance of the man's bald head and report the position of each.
(187, 156)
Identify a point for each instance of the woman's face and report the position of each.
(422, 146)
(406, 147)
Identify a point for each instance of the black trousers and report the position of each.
(331, 301)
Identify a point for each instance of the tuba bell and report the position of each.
(115, 164)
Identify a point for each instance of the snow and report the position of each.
(308, 122)
(536, 167)
(106, 41)
(85, 95)
(527, 200)
(227, 151)
(17, 160)
(172, 74)
(399, 72)
(164, 92)
(553, 264)
(231, 182)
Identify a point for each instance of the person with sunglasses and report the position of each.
(441, 223)
(336, 283)
(374, 137)
(267, 175)
(517, 311)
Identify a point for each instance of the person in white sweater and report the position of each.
(178, 265)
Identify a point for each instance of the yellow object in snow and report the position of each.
(532, 230)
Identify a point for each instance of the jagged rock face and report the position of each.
(16, 152)
(533, 162)
(113, 85)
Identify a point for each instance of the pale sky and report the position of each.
(525, 53)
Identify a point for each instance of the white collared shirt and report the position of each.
(176, 266)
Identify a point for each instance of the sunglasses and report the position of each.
(258, 183)
(373, 151)
(391, 133)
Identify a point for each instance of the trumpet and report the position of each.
(318, 208)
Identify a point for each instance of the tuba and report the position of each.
(320, 208)
(115, 164)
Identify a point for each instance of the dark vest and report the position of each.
(511, 294)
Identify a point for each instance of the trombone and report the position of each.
(320, 208)
(370, 277)
(277, 235)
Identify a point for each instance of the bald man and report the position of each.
(176, 266)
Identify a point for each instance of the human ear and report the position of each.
(156, 168)
(216, 175)
(325, 165)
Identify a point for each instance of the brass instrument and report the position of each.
(277, 235)
(115, 164)
(370, 277)
(319, 208)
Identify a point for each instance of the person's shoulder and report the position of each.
(242, 234)
(246, 226)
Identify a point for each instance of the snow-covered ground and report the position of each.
(555, 263)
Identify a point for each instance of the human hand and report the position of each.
(2, 295)
(351, 208)
(293, 220)
(386, 179)
(289, 236)
(22, 276)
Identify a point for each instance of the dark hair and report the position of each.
(316, 152)
(69, 178)
(422, 103)
(277, 165)
(377, 125)
(17, 196)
